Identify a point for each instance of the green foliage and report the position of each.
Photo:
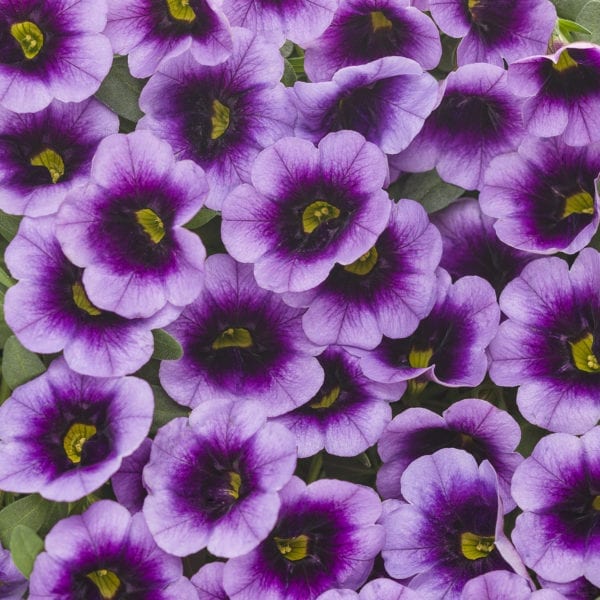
(165, 409)
(589, 17)
(19, 365)
(166, 347)
(32, 511)
(427, 188)
(201, 218)
(569, 9)
(9, 225)
(25, 545)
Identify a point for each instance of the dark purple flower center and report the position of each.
(182, 17)
(493, 20)
(575, 75)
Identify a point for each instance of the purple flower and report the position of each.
(451, 528)
(504, 585)
(51, 49)
(43, 155)
(544, 196)
(241, 342)
(127, 483)
(151, 32)
(558, 488)
(347, 415)
(106, 553)
(449, 345)
(377, 589)
(484, 431)
(222, 116)
(471, 246)
(125, 227)
(365, 30)
(562, 91)
(477, 119)
(213, 480)
(209, 582)
(49, 311)
(307, 209)
(386, 100)
(387, 291)
(64, 434)
(300, 21)
(494, 30)
(325, 537)
(549, 344)
(578, 589)
(12, 583)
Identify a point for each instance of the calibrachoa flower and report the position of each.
(125, 227)
(325, 537)
(451, 528)
(127, 483)
(43, 155)
(484, 431)
(449, 345)
(12, 583)
(347, 415)
(558, 488)
(477, 119)
(209, 582)
(307, 209)
(504, 585)
(220, 116)
(562, 91)
(365, 30)
(471, 246)
(544, 196)
(106, 553)
(241, 342)
(49, 311)
(300, 21)
(387, 291)
(495, 29)
(51, 49)
(378, 589)
(151, 32)
(213, 480)
(64, 434)
(386, 100)
(549, 344)
(578, 589)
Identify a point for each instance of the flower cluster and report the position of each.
(282, 315)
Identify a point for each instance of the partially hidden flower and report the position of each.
(377, 589)
(209, 582)
(106, 553)
(44, 155)
(127, 483)
(12, 583)
(64, 434)
(578, 589)
(307, 209)
(125, 227)
(504, 585)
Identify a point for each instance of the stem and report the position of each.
(315, 468)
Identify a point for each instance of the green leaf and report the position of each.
(202, 217)
(569, 9)
(9, 225)
(5, 279)
(589, 17)
(25, 545)
(287, 48)
(567, 27)
(120, 91)
(427, 188)
(289, 74)
(55, 512)
(31, 511)
(19, 365)
(165, 409)
(166, 347)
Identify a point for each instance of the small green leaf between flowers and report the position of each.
(165, 409)
(569, 9)
(166, 347)
(9, 225)
(289, 74)
(589, 17)
(427, 188)
(202, 217)
(25, 545)
(31, 511)
(19, 365)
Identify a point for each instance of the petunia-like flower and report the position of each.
(544, 196)
(386, 100)
(387, 291)
(307, 209)
(578, 589)
(209, 582)
(125, 227)
(450, 529)
(51, 49)
(558, 489)
(377, 589)
(241, 342)
(548, 346)
(221, 116)
(562, 92)
(213, 480)
(150, 32)
(300, 21)
(365, 30)
(127, 483)
(106, 553)
(43, 155)
(477, 119)
(504, 585)
(64, 434)
(493, 30)
(325, 537)
(449, 345)
(347, 415)
(49, 311)
(471, 245)
(484, 431)
(12, 583)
